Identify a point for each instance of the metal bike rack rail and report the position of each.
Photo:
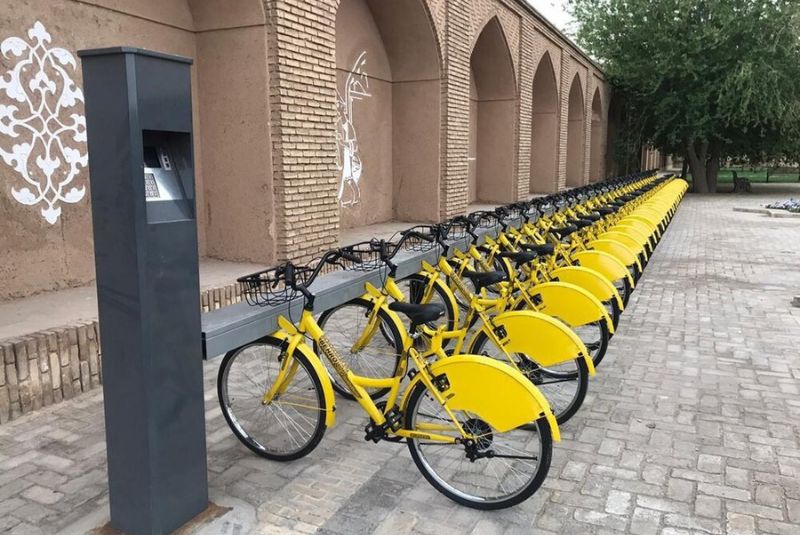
(233, 326)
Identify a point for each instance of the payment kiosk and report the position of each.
(139, 126)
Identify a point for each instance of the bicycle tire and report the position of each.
(612, 307)
(235, 418)
(542, 431)
(363, 366)
(580, 374)
(597, 347)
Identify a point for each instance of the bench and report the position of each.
(740, 184)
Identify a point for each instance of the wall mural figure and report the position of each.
(37, 118)
(348, 159)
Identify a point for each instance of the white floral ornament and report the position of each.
(48, 147)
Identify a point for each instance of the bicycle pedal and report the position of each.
(376, 433)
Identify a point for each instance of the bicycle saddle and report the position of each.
(606, 210)
(519, 258)
(583, 223)
(545, 249)
(482, 279)
(418, 313)
(564, 231)
(593, 217)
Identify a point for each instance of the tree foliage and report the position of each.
(709, 79)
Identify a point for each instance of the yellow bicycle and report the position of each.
(462, 416)
(543, 349)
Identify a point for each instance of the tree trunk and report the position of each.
(712, 168)
(696, 154)
(685, 167)
(712, 172)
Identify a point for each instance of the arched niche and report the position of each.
(388, 129)
(231, 89)
(544, 129)
(576, 134)
(596, 154)
(493, 116)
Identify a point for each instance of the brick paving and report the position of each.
(691, 426)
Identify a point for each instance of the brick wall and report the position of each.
(302, 97)
(50, 366)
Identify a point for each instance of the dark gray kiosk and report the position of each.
(139, 123)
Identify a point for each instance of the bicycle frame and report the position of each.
(357, 384)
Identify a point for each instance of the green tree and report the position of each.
(709, 79)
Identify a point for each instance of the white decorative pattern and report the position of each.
(47, 137)
(348, 158)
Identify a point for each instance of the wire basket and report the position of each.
(455, 229)
(485, 220)
(516, 211)
(414, 239)
(271, 287)
(532, 212)
(369, 254)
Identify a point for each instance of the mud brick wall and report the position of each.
(50, 366)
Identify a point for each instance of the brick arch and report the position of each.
(596, 153)
(493, 116)
(544, 128)
(494, 18)
(576, 133)
(389, 139)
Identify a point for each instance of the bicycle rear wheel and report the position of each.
(623, 286)
(564, 385)
(509, 466)
(288, 427)
(595, 337)
(612, 307)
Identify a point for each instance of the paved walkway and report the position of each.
(691, 426)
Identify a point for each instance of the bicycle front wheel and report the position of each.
(378, 358)
(288, 426)
(506, 469)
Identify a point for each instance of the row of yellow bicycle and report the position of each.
(475, 360)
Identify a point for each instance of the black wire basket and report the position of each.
(368, 253)
(532, 212)
(420, 238)
(455, 229)
(270, 287)
(516, 211)
(485, 220)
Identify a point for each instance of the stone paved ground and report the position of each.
(691, 426)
